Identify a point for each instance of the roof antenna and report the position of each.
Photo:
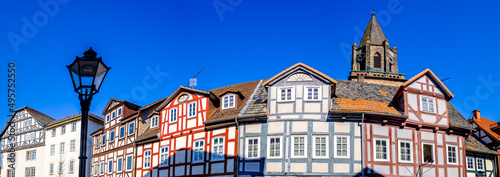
(445, 79)
(194, 81)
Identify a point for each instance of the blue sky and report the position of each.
(237, 41)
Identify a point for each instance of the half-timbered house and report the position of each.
(483, 161)
(112, 147)
(23, 143)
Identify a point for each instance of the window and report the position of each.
(110, 166)
(341, 146)
(173, 115)
(71, 166)
(147, 159)
(52, 149)
(312, 93)
(320, 147)
(51, 168)
(480, 164)
(11, 173)
(95, 169)
(119, 164)
(122, 132)
(470, 163)
(377, 63)
(63, 129)
(274, 147)
(131, 128)
(97, 142)
(113, 115)
(72, 145)
(252, 147)
(298, 147)
(154, 121)
(452, 154)
(129, 163)
(286, 94)
(103, 140)
(192, 109)
(164, 156)
(119, 112)
(107, 118)
(228, 101)
(61, 148)
(428, 152)
(112, 136)
(30, 172)
(31, 155)
(102, 168)
(73, 126)
(53, 132)
(405, 149)
(198, 151)
(427, 104)
(218, 148)
(381, 148)
(61, 166)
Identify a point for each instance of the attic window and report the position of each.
(427, 104)
(119, 112)
(228, 101)
(300, 77)
(154, 121)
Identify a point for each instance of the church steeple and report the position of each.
(373, 60)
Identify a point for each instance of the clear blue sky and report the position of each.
(246, 41)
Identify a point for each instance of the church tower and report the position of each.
(373, 61)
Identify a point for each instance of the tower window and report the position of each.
(377, 64)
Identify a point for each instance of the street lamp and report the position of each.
(87, 74)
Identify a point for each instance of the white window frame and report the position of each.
(335, 146)
(133, 128)
(61, 168)
(215, 154)
(118, 169)
(200, 148)
(112, 136)
(108, 117)
(269, 147)
(54, 131)
(473, 163)
(228, 96)
(63, 129)
(246, 148)
(314, 146)
(422, 104)
(52, 149)
(170, 115)
(103, 140)
(189, 112)
(278, 94)
(113, 115)
(101, 168)
(146, 162)
(155, 121)
(482, 164)
(51, 168)
(120, 130)
(388, 149)
(96, 167)
(167, 153)
(119, 112)
(411, 151)
(110, 166)
(448, 157)
(72, 145)
(293, 147)
(306, 90)
(433, 152)
(62, 146)
(71, 168)
(127, 162)
(73, 126)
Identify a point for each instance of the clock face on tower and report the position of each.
(360, 57)
(183, 98)
(391, 59)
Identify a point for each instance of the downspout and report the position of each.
(237, 170)
(362, 145)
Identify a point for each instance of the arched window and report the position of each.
(377, 64)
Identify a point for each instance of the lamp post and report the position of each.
(87, 74)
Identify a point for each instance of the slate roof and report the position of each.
(257, 105)
(456, 119)
(246, 89)
(75, 116)
(474, 145)
(38, 116)
(149, 133)
(373, 32)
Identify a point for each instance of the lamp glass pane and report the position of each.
(101, 72)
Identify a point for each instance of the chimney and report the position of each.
(477, 114)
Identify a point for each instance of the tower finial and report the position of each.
(373, 11)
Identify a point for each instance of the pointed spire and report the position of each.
(373, 32)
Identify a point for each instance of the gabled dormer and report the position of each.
(424, 99)
(299, 92)
(231, 99)
(116, 110)
(186, 109)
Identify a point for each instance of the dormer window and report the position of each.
(154, 121)
(312, 93)
(119, 112)
(286, 94)
(228, 101)
(427, 104)
(192, 109)
(173, 115)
